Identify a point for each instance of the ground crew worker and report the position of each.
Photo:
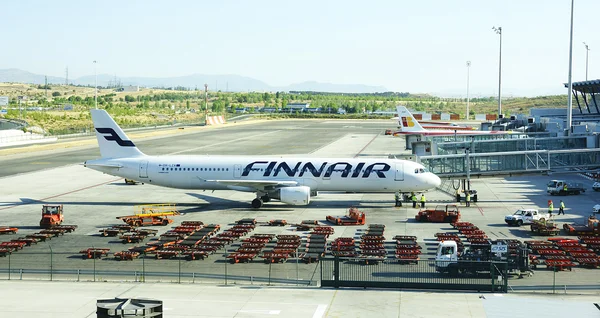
(414, 201)
(550, 207)
(561, 208)
(457, 196)
(565, 188)
(398, 197)
(468, 199)
(422, 200)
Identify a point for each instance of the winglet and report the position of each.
(112, 140)
(406, 120)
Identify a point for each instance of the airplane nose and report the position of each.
(435, 181)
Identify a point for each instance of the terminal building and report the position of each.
(539, 142)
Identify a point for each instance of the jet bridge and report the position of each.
(507, 145)
(510, 163)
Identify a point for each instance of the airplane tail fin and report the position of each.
(112, 140)
(406, 120)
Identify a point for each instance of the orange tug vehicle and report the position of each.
(441, 214)
(354, 217)
(52, 215)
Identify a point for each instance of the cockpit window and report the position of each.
(421, 170)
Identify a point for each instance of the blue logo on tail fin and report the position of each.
(113, 136)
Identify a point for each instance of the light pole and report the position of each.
(95, 86)
(468, 67)
(587, 51)
(570, 99)
(498, 30)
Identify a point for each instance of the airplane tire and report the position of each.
(256, 203)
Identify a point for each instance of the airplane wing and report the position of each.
(254, 185)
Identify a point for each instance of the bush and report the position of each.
(55, 94)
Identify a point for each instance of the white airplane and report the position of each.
(437, 125)
(291, 180)
(410, 126)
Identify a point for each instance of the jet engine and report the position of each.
(295, 195)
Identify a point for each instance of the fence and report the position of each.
(337, 272)
(61, 265)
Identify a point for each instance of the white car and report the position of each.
(596, 209)
(525, 216)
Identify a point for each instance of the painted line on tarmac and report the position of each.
(365, 147)
(224, 142)
(480, 210)
(58, 195)
(320, 311)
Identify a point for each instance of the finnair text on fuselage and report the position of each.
(273, 168)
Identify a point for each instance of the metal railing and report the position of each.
(216, 269)
(422, 274)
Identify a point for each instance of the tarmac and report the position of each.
(53, 174)
(31, 299)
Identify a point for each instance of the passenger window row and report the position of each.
(195, 169)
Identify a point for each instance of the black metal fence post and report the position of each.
(336, 272)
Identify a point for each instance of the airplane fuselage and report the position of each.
(320, 174)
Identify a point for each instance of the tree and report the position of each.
(55, 94)
(129, 98)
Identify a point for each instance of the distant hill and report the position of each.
(232, 83)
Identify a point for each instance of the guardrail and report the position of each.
(421, 274)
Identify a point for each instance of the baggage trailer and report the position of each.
(544, 227)
(236, 257)
(275, 257)
(94, 252)
(194, 254)
(151, 214)
(126, 255)
(279, 222)
(354, 217)
(8, 230)
(592, 228)
(441, 214)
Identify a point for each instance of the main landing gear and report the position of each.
(258, 202)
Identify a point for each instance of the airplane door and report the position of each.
(399, 172)
(144, 169)
(237, 171)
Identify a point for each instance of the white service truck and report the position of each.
(478, 259)
(564, 187)
(525, 216)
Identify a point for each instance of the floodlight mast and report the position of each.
(587, 51)
(468, 67)
(498, 30)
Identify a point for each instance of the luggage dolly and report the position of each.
(274, 257)
(241, 257)
(94, 253)
(126, 255)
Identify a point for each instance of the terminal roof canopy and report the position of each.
(586, 87)
(587, 91)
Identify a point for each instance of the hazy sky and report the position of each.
(415, 46)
